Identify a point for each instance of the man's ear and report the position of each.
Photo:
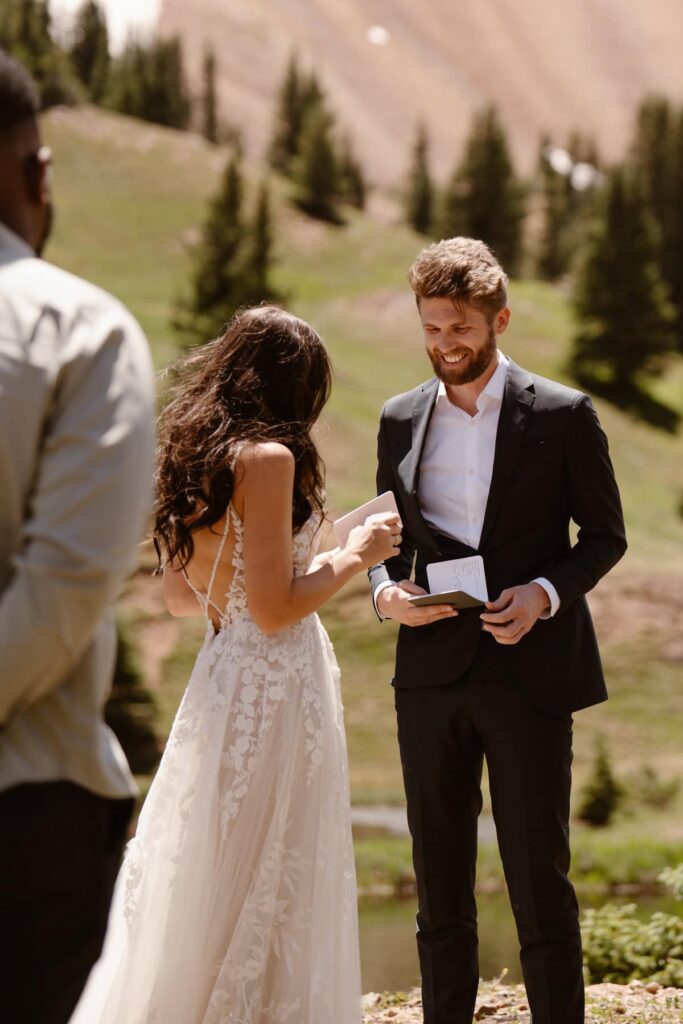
(501, 320)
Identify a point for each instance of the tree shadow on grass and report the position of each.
(632, 399)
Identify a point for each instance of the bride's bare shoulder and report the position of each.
(264, 472)
(268, 454)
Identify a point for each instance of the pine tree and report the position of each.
(90, 49)
(316, 172)
(657, 155)
(25, 32)
(254, 282)
(553, 256)
(674, 259)
(350, 177)
(484, 199)
(602, 794)
(420, 193)
(233, 261)
(128, 80)
(651, 154)
(216, 285)
(149, 82)
(288, 118)
(168, 101)
(563, 206)
(620, 299)
(209, 126)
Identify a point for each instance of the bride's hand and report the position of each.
(377, 539)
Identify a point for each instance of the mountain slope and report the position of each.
(130, 196)
(568, 64)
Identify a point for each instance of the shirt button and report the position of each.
(470, 471)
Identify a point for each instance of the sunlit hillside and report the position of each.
(549, 66)
(130, 198)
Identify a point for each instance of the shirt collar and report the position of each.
(495, 388)
(12, 247)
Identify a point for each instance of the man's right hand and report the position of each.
(393, 603)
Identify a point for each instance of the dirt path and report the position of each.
(506, 1004)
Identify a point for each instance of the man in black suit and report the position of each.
(489, 459)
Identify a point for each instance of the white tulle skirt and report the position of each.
(236, 903)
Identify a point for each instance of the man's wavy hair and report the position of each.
(462, 269)
(266, 378)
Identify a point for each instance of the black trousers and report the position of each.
(444, 734)
(59, 856)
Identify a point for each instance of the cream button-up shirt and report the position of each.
(76, 456)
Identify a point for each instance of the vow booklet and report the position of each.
(342, 527)
(460, 582)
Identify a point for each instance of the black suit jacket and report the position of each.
(551, 466)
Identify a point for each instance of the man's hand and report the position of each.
(394, 603)
(515, 612)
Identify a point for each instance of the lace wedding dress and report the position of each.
(236, 902)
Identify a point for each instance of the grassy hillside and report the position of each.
(130, 198)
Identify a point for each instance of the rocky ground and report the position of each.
(497, 1003)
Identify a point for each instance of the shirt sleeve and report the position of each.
(553, 596)
(87, 509)
(378, 590)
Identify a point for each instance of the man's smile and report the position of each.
(454, 358)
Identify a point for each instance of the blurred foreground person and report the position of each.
(236, 903)
(76, 449)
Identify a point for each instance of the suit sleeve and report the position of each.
(595, 507)
(86, 515)
(400, 566)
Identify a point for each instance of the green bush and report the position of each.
(602, 794)
(617, 947)
(648, 788)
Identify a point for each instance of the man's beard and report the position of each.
(471, 367)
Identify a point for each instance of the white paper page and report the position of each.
(342, 527)
(459, 574)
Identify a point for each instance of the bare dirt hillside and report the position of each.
(550, 65)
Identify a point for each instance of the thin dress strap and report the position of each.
(205, 598)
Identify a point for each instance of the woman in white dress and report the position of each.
(236, 902)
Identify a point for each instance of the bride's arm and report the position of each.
(275, 597)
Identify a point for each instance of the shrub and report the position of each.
(602, 794)
(618, 947)
(650, 789)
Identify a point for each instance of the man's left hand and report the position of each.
(515, 612)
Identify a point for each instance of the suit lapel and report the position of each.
(422, 414)
(409, 468)
(518, 400)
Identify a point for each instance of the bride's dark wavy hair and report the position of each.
(266, 378)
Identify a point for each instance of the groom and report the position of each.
(487, 458)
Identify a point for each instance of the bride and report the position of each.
(236, 902)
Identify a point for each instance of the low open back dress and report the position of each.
(236, 901)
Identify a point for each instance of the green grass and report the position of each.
(130, 199)
(602, 862)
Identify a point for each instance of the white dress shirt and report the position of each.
(457, 465)
(76, 460)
